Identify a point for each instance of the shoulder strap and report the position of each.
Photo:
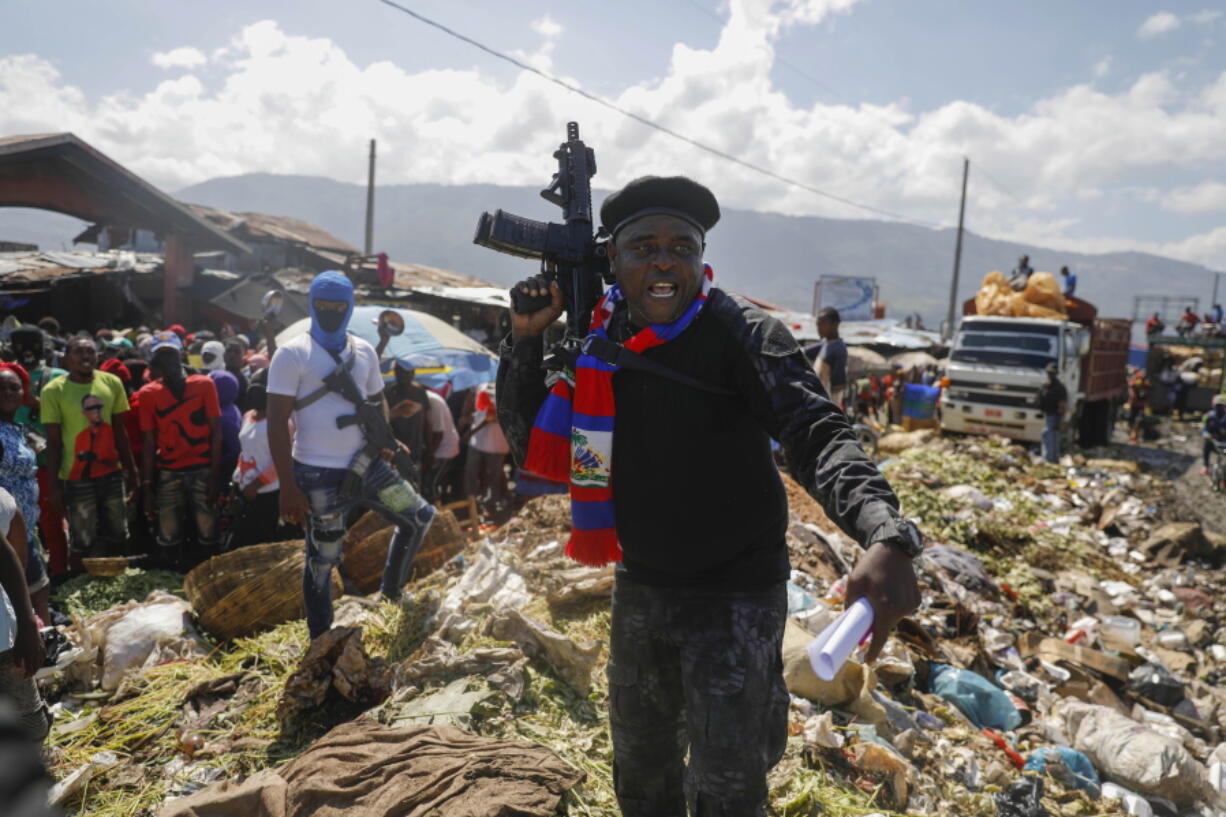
(317, 395)
(617, 355)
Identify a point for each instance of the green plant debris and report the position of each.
(85, 595)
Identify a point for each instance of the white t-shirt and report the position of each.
(440, 420)
(8, 616)
(255, 461)
(298, 369)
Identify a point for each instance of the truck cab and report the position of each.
(996, 366)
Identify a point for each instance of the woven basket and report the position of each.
(364, 558)
(211, 581)
(250, 589)
(105, 566)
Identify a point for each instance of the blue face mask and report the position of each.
(330, 286)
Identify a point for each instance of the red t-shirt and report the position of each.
(183, 436)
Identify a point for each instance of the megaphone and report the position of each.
(272, 302)
(390, 322)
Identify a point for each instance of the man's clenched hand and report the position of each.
(885, 577)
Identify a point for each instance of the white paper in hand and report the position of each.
(830, 649)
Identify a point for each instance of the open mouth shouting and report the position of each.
(662, 290)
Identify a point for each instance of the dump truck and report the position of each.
(997, 364)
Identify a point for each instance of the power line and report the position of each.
(835, 93)
(784, 60)
(652, 124)
(1000, 186)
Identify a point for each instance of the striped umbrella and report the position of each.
(452, 357)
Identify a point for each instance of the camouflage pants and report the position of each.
(702, 670)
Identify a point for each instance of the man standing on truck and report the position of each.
(1154, 326)
(1070, 281)
(1053, 402)
(1021, 274)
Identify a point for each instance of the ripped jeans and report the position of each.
(383, 491)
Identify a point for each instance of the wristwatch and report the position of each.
(906, 537)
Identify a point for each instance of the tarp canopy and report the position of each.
(464, 363)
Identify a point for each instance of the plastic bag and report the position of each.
(985, 704)
(1022, 799)
(130, 639)
(963, 567)
(1135, 755)
(995, 296)
(1134, 804)
(1155, 682)
(1069, 766)
(1043, 291)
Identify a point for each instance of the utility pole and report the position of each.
(370, 202)
(953, 286)
(1217, 277)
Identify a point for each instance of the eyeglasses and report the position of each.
(17, 389)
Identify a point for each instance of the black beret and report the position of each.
(668, 195)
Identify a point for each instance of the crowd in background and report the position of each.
(124, 442)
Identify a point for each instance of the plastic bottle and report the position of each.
(1172, 640)
(1120, 632)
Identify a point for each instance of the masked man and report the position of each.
(337, 463)
(671, 474)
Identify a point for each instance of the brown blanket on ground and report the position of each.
(365, 769)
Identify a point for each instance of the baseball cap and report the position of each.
(167, 340)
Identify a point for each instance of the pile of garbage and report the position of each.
(1066, 661)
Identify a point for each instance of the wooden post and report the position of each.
(178, 272)
(953, 286)
(370, 202)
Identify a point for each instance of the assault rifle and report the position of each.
(568, 252)
(368, 415)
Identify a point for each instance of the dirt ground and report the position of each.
(1177, 455)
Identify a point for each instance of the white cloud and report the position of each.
(1160, 23)
(1165, 22)
(546, 26)
(182, 57)
(1206, 17)
(291, 104)
(1205, 197)
(1102, 67)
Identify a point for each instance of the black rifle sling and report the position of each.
(325, 389)
(617, 355)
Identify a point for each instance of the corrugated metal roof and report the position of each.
(26, 267)
(115, 194)
(261, 226)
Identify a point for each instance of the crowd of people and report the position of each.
(156, 443)
(1191, 324)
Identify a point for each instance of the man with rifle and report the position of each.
(343, 447)
(662, 425)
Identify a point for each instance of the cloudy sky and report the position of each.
(1092, 125)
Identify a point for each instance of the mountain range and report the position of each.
(775, 257)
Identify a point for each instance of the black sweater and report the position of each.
(697, 497)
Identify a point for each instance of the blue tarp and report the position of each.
(464, 362)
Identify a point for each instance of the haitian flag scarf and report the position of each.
(572, 438)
